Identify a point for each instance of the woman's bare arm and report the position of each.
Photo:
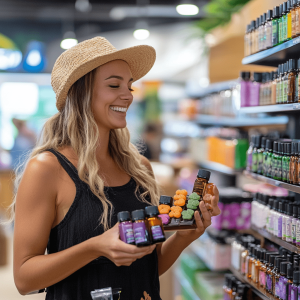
(35, 214)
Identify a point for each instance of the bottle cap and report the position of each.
(275, 12)
(257, 22)
(263, 142)
(288, 6)
(288, 148)
(296, 278)
(269, 15)
(265, 17)
(298, 211)
(204, 174)
(151, 211)
(275, 147)
(253, 24)
(272, 259)
(269, 145)
(295, 211)
(268, 254)
(167, 200)
(257, 141)
(280, 148)
(271, 202)
(124, 216)
(278, 261)
(280, 207)
(275, 204)
(263, 253)
(245, 75)
(257, 77)
(292, 64)
(293, 149)
(262, 19)
(280, 10)
(283, 267)
(289, 258)
(296, 148)
(258, 254)
(286, 67)
(290, 209)
(138, 214)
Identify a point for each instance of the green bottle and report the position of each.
(286, 162)
(280, 24)
(255, 154)
(284, 20)
(265, 158)
(275, 27)
(284, 83)
(274, 160)
(269, 159)
(278, 176)
(260, 157)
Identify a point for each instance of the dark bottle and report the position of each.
(284, 18)
(241, 292)
(286, 162)
(274, 160)
(284, 88)
(155, 226)
(298, 230)
(290, 272)
(257, 265)
(293, 167)
(276, 276)
(228, 289)
(265, 157)
(263, 268)
(253, 272)
(235, 284)
(249, 260)
(279, 162)
(141, 235)
(255, 154)
(297, 81)
(249, 153)
(279, 84)
(297, 161)
(294, 224)
(291, 80)
(125, 227)
(298, 77)
(269, 276)
(275, 26)
(268, 30)
(200, 184)
(294, 287)
(280, 24)
(269, 159)
(282, 281)
(260, 154)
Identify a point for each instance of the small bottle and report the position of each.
(279, 162)
(275, 26)
(280, 24)
(292, 162)
(298, 230)
(246, 41)
(265, 156)
(268, 30)
(255, 154)
(294, 224)
(289, 20)
(289, 283)
(282, 282)
(253, 272)
(269, 159)
(226, 285)
(275, 217)
(295, 286)
(296, 164)
(257, 265)
(289, 218)
(279, 222)
(141, 235)
(271, 219)
(291, 81)
(286, 160)
(275, 276)
(297, 7)
(125, 227)
(274, 87)
(297, 82)
(255, 88)
(260, 33)
(228, 291)
(260, 157)
(293, 16)
(249, 153)
(256, 35)
(241, 292)
(262, 89)
(284, 88)
(245, 88)
(279, 84)
(244, 255)
(235, 285)
(284, 217)
(274, 160)
(155, 226)
(252, 33)
(250, 260)
(262, 269)
(269, 277)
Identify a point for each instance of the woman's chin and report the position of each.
(119, 125)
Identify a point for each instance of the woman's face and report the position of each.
(112, 94)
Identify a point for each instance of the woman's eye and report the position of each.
(131, 90)
(114, 86)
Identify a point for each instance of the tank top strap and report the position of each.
(67, 165)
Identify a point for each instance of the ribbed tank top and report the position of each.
(82, 223)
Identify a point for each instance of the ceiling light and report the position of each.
(69, 40)
(187, 9)
(141, 32)
(83, 5)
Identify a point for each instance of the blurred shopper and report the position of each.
(83, 172)
(149, 138)
(24, 142)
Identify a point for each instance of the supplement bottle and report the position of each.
(125, 227)
(280, 24)
(291, 80)
(295, 286)
(268, 30)
(141, 235)
(261, 33)
(288, 224)
(275, 26)
(155, 226)
(274, 160)
(289, 20)
(274, 87)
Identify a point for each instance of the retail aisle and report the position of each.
(8, 290)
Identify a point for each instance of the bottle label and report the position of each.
(260, 163)
(283, 288)
(277, 92)
(283, 227)
(269, 166)
(284, 170)
(294, 232)
(288, 230)
(287, 166)
(298, 233)
(279, 167)
(126, 232)
(254, 162)
(262, 278)
(274, 32)
(269, 282)
(296, 89)
(294, 292)
(140, 232)
(265, 160)
(274, 166)
(284, 91)
(277, 288)
(157, 233)
(279, 226)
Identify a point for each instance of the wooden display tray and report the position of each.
(178, 224)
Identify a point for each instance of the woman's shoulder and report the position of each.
(145, 162)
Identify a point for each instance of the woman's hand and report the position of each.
(120, 253)
(214, 200)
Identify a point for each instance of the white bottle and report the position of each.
(275, 217)
(271, 229)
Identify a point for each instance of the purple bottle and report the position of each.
(125, 227)
(254, 89)
(295, 288)
(245, 88)
(141, 235)
(283, 281)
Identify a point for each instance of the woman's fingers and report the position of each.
(205, 214)
(199, 223)
(215, 201)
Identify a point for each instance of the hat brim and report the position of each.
(139, 58)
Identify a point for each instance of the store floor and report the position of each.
(8, 290)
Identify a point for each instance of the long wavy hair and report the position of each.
(75, 126)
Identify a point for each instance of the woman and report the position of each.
(83, 172)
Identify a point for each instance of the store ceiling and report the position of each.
(46, 20)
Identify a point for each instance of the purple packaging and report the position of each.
(277, 288)
(269, 282)
(283, 288)
(293, 292)
(254, 90)
(245, 91)
(157, 233)
(140, 232)
(126, 232)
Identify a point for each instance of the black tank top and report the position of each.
(82, 223)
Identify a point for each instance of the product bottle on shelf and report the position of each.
(265, 156)
(269, 276)
(274, 160)
(289, 20)
(293, 162)
(283, 281)
(269, 159)
(266, 212)
(297, 27)
(274, 87)
(262, 89)
(298, 229)
(279, 220)
(264, 43)
(284, 217)
(249, 153)
(255, 88)
(297, 163)
(245, 88)
(244, 255)
(291, 80)
(280, 24)
(278, 84)
(252, 33)
(241, 292)
(248, 257)
(271, 219)
(294, 224)
(268, 30)
(256, 35)
(260, 32)
(258, 264)
(284, 88)
(260, 152)
(276, 276)
(275, 217)
(296, 95)
(279, 161)
(255, 154)
(251, 261)
(275, 26)
(286, 162)
(227, 287)
(289, 219)
(246, 41)
(293, 16)
(253, 272)
(262, 268)
(294, 290)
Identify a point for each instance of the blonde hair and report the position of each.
(75, 126)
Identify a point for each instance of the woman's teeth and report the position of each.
(116, 108)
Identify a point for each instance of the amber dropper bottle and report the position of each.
(269, 280)
(257, 265)
(275, 273)
(253, 273)
(282, 281)
(250, 260)
(290, 272)
(200, 184)
(263, 268)
(244, 255)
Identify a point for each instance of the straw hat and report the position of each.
(90, 54)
